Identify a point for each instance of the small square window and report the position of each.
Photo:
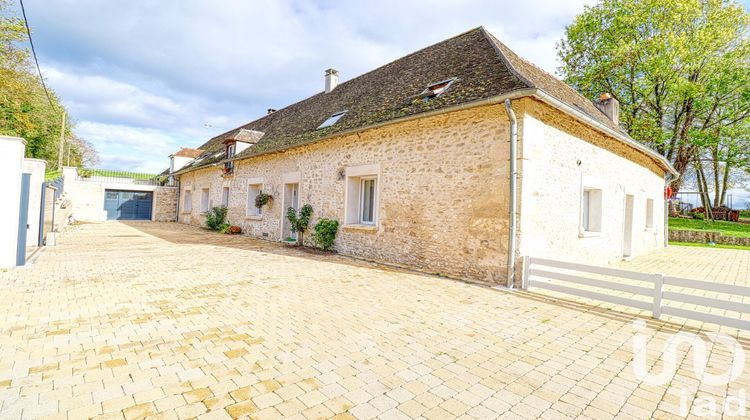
(591, 210)
(333, 119)
(253, 191)
(649, 213)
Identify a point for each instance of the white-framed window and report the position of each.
(253, 191)
(367, 192)
(649, 213)
(225, 196)
(204, 200)
(187, 201)
(591, 210)
(362, 195)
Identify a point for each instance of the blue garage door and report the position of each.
(128, 205)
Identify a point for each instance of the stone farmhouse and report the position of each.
(457, 159)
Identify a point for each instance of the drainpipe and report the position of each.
(512, 192)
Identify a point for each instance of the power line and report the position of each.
(33, 52)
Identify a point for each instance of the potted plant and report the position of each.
(262, 199)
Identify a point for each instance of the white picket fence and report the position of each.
(657, 293)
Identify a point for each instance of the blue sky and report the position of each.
(143, 78)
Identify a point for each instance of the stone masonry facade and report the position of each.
(704, 237)
(443, 191)
(165, 204)
(442, 188)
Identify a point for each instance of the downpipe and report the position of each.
(512, 192)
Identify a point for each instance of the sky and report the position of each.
(143, 78)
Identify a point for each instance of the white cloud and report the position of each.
(140, 72)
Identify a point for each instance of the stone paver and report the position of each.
(170, 321)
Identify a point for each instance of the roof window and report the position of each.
(437, 89)
(332, 119)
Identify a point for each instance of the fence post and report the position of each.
(658, 286)
(525, 275)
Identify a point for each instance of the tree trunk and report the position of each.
(715, 165)
(703, 189)
(725, 183)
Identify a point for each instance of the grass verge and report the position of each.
(741, 230)
(693, 244)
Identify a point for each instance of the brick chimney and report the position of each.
(332, 79)
(609, 106)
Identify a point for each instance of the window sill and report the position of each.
(588, 234)
(254, 217)
(360, 227)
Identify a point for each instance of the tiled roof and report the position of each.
(187, 152)
(480, 66)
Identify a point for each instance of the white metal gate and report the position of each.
(656, 293)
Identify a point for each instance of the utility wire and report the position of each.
(33, 52)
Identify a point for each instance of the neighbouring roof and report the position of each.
(187, 152)
(476, 63)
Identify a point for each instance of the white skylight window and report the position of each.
(332, 119)
(437, 89)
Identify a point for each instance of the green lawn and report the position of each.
(744, 248)
(54, 174)
(115, 174)
(726, 228)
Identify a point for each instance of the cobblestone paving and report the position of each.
(167, 321)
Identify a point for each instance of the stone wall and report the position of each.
(704, 237)
(165, 204)
(560, 156)
(442, 189)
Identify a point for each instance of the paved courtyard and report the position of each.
(169, 321)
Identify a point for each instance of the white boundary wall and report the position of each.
(35, 167)
(12, 150)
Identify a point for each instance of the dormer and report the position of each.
(179, 159)
(237, 143)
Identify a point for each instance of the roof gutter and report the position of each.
(555, 103)
(493, 100)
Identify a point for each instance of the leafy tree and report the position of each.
(298, 222)
(680, 69)
(25, 110)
